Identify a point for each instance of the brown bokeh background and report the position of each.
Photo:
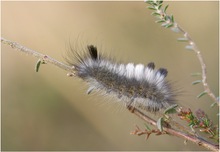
(50, 111)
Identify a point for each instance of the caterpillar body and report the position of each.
(140, 86)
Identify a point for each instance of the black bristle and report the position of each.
(151, 65)
(93, 51)
(163, 71)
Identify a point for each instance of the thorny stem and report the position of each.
(171, 131)
(141, 115)
(202, 63)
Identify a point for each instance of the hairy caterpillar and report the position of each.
(141, 86)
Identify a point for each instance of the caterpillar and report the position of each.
(138, 85)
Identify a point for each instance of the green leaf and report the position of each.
(37, 66)
(191, 124)
(165, 9)
(206, 122)
(151, 8)
(153, 3)
(160, 21)
(196, 82)
(147, 127)
(172, 18)
(155, 14)
(159, 123)
(171, 109)
(160, 2)
(182, 39)
(167, 18)
(159, 6)
(189, 47)
(169, 25)
(202, 94)
(213, 104)
(195, 74)
(148, 1)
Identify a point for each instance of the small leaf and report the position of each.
(148, 1)
(147, 127)
(37, 66)
(160, 21)
(151, 2)
(167, 18)
(182, 39)
(159, 123)
(206, 122)
(155, 4)
(189, 47)
(201, 94)
(159, 6)
(195, 74)
(196, 82)
(213, 104)
(151, 8)
(171, 109)
(191, 124)
(160, 2)
(172, 18)
(169, 25)
(155, 14)
(165, 9)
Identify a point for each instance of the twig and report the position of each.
(201, 61)
(176, 133)
(141, 115)
(31, 52)
(146, 132)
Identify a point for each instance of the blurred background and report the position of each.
(50, 111)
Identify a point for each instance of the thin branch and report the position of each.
(38, 55)
(201, 61)
(176, 133)
(141, 115)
